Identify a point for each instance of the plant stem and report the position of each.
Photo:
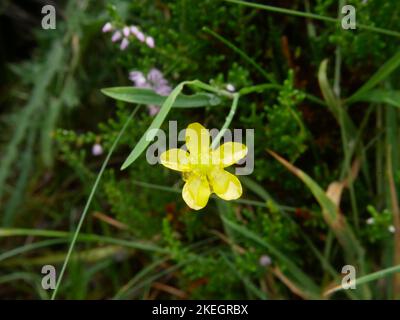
(228, 120)
(89, 201)
(312, 16)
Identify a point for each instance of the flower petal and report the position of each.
(197, 140)
(196, 192)
(175, 159)
(225, 185)
(229, 153)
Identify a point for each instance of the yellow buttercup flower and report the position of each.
(203, 168)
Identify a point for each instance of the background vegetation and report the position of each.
(324, 193)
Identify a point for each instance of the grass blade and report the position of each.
(389, 97)
(156, 124)
(367, 278)
(383, 72)
(85, 210)
(313, 16)
(331, 213)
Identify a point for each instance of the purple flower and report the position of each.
(138, 79)
(155, 81)
(124, 43)
(150, 42)
(97, 149)
(126, 31)
(158, 82)
(155, 76)
(134, 30)
(140, 36)
(116, 36)
(153, 110)
(107, 27)
(265, 261)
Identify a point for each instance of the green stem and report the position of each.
(96, 183)
(312, 16)
(241, 53)
(228, 120)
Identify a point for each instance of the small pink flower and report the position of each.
(150, 42)
(153, 110)
(126, 31)
(138, 79)
(107, 27)
(124, 44)
(140, 36)
(97, 149)
(116, 36)
(265, 260)
(134, 30)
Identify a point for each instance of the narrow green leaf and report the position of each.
(367, 278)
(152, 129)
(390, 97)
(148, 96)
(326, 89)
(310, 15)
(391, 65)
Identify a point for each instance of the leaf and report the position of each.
(148, 96)
(331, 213)
(330, 209)
(390, 97)
(391, 65)
(326, 90)
(152, 129)
(367, 278)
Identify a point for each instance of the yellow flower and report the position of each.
(203, 168)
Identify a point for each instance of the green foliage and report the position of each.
(137, 231)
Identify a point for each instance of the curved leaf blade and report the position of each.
(392, 64)
(151, 131)
(390, 97)
(148, 96)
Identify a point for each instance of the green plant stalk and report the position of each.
(29, 247)
(228, 120)
(381, 74)
(346, 129)
(312, 16)
(367, 278)
(85, 210)
(272, 86)
(241, 53)
(354, 252)
(13, 232)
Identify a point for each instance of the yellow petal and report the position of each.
(196, 192)
(197, 140)
(175, 159)
(229, 153)
(225, 185)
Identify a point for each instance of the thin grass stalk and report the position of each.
(312, 16)
(89, 201)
